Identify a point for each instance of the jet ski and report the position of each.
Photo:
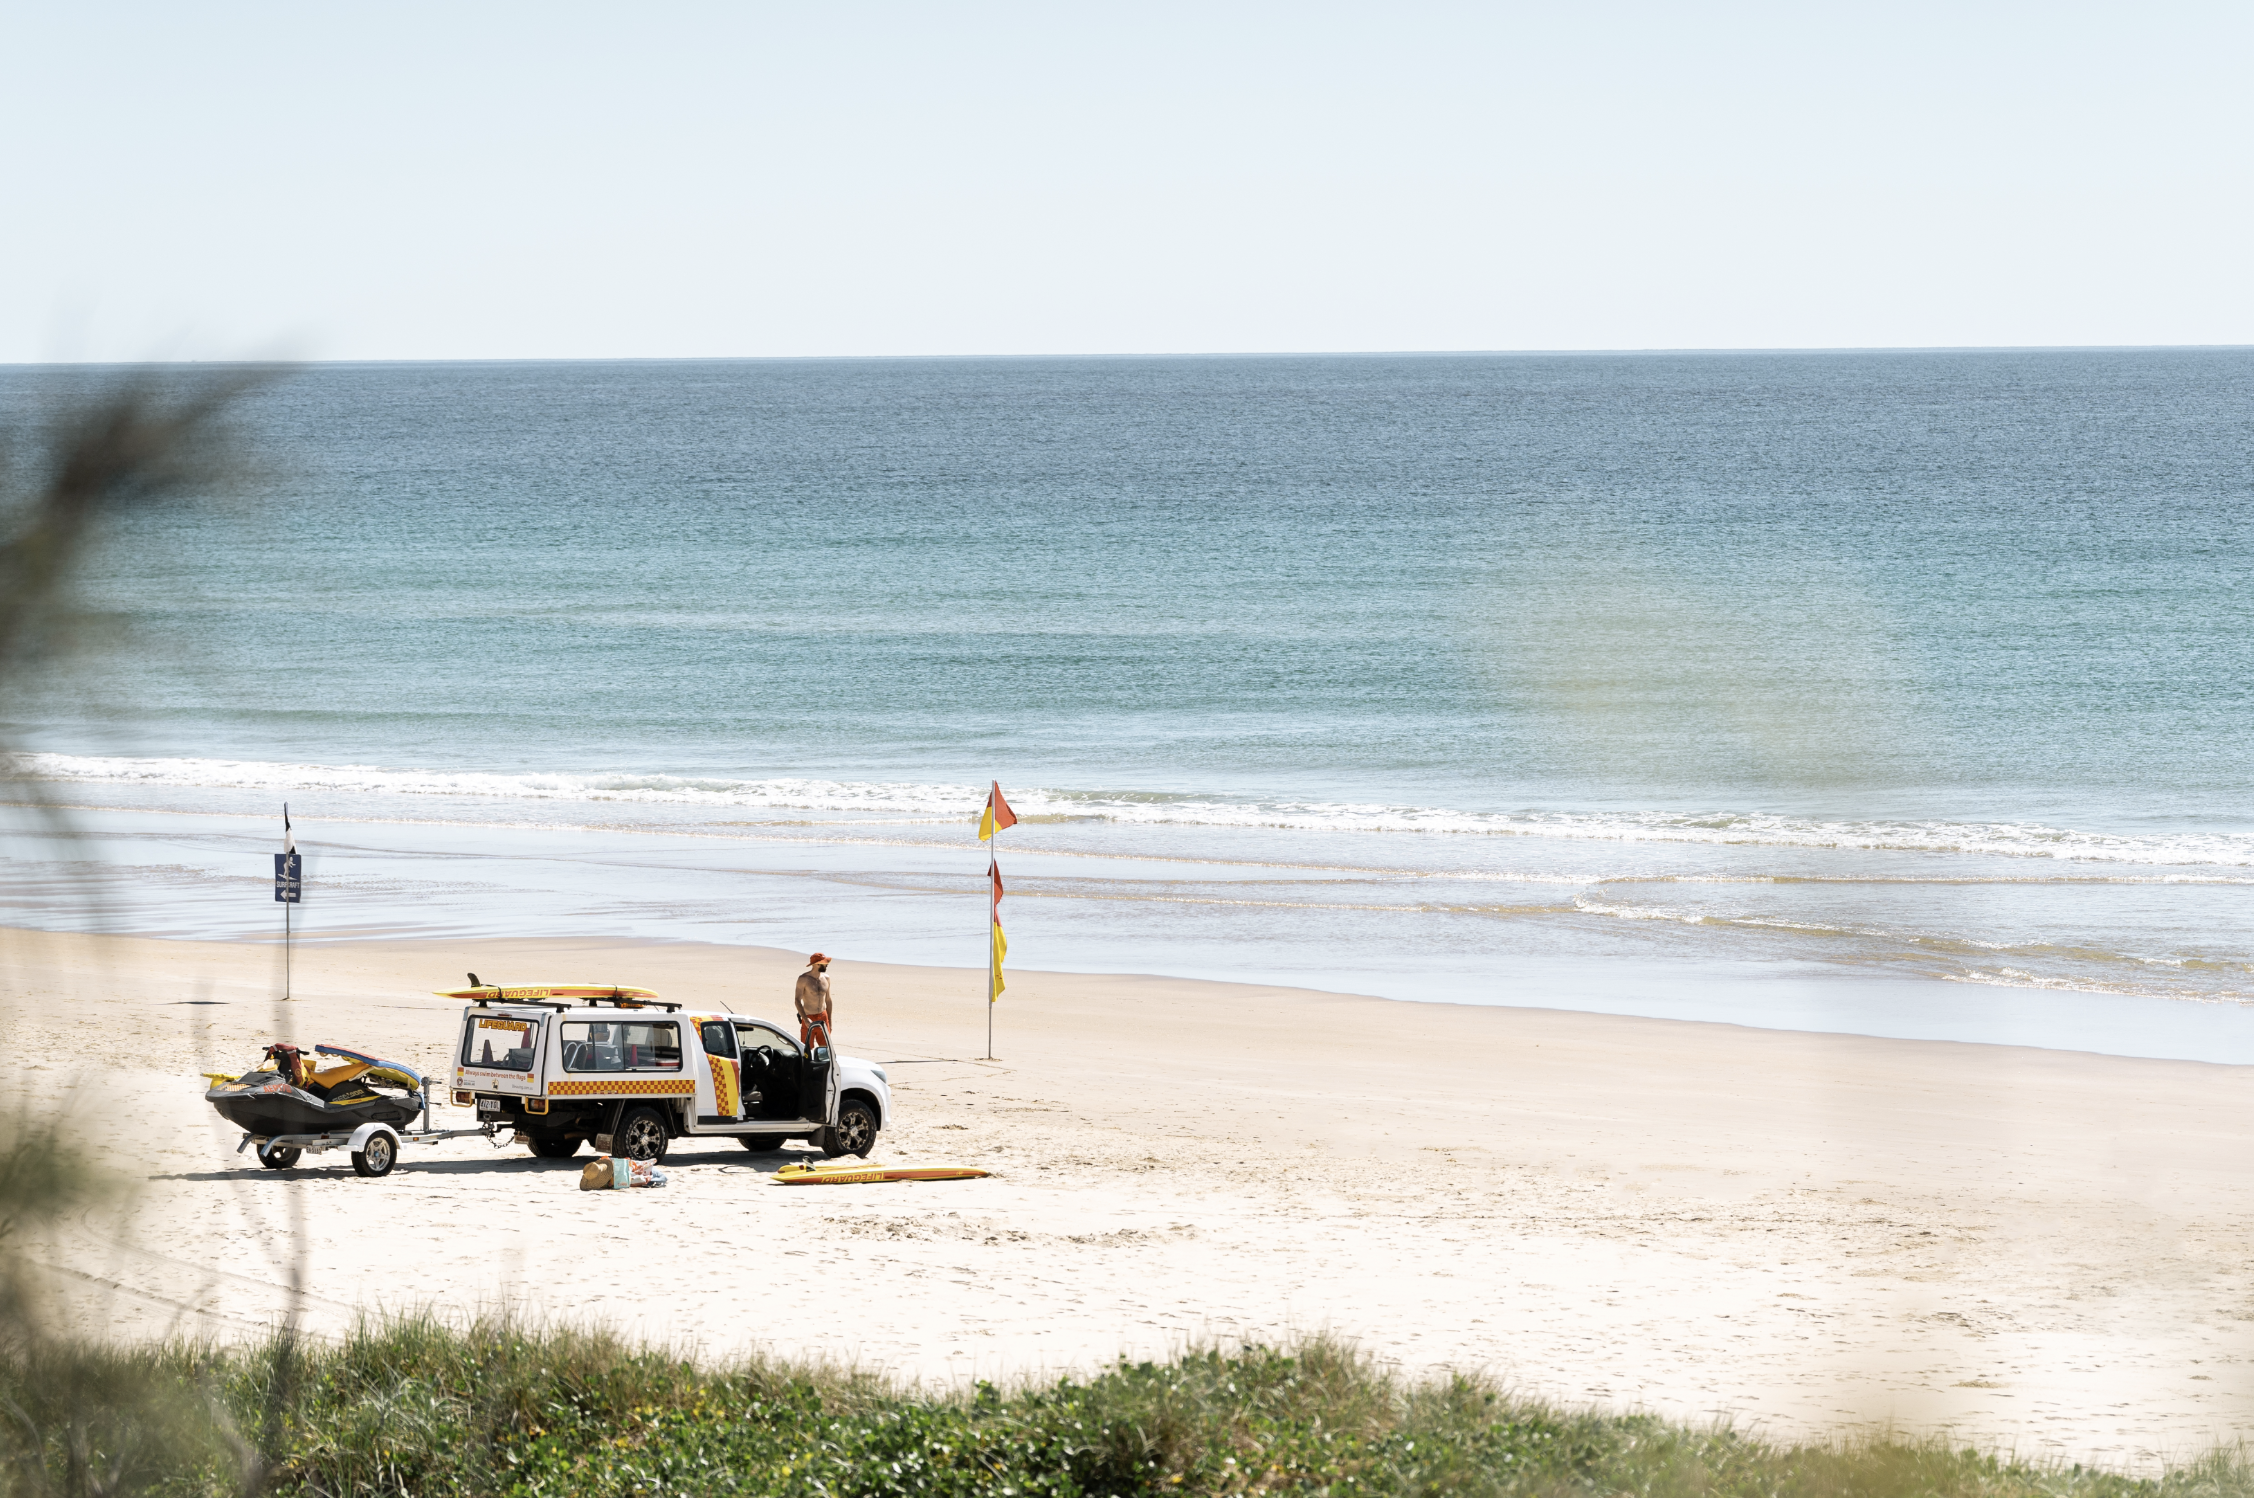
(291, 1095)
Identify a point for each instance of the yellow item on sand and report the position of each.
(865, 1175)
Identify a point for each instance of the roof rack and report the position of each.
(582, 996)
(560, 1006)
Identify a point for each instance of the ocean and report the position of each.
(1896, 693)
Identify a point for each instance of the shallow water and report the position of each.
(1907, 693)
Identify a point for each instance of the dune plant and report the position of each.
(421, 1407)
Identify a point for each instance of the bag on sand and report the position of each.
(616, 1173)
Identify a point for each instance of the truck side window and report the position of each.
(622, 1045)
(719, 1037)
(592, 1047)
(653, 1047)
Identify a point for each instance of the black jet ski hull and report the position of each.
(265, 1105)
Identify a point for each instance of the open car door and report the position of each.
(817, 1088)
(718, 1038)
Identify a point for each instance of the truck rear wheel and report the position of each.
(642, 1135)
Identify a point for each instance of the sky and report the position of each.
(558, 180)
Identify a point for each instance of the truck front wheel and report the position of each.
(854, 1133)
(642, 1135)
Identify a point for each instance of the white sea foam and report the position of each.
(945, 802)
(787, 794)
(2010, 977)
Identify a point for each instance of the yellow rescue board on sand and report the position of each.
(865, 1175)
(495, 994)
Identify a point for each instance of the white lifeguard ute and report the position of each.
(566, 1063)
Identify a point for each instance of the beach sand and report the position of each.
(1805, 1234)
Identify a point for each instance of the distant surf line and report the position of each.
(936, 800)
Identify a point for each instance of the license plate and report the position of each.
(488, 1107)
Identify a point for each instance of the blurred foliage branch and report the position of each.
(75, 1419)
(148, 438)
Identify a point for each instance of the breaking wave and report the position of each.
(939, 801)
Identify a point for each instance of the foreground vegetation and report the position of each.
(417, 1408)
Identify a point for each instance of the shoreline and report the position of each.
(1723, 942)
(1808, 1233)
(2139, 1027)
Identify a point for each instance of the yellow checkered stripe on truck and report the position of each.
(623, 1087)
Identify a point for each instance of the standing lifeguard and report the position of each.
(814, 1001)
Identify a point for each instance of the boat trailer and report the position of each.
(374, 1146)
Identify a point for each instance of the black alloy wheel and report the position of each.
(553, 1149)
(642, 1135)
(760, 1144)
(280, 1157)
(854, 1133)
(381, 1154)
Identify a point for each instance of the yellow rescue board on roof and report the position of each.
(864, 1175)
(551, 992)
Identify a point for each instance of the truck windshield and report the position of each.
(499, 1042)
(622, 1045)
(755, 1036)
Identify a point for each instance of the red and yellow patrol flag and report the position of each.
(1001, 943)
(998, 814)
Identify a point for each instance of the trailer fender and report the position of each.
(367, 1131)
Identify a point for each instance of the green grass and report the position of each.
(418, 1408)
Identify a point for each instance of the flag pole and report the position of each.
(993, 861)
(289, 847)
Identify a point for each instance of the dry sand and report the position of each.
(1802, 1233)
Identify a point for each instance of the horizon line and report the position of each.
(1538, 353)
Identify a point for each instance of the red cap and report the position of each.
(817, 959)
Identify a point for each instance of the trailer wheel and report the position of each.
(642, 1135)
(760, 1144)
(280, 1157)
(381, 1154)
